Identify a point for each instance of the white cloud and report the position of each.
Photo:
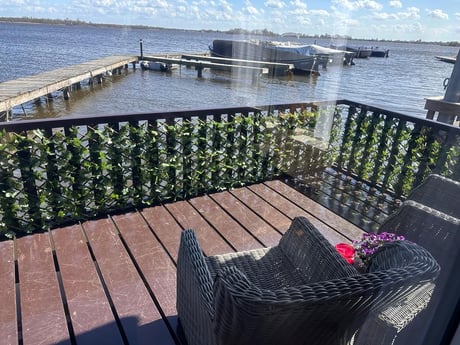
(370, 4)
(274, 4)
(226, 7)
(252, 10)
(412, 13)
(359, 4)
(395, 3)
(320, 13)
(440, 14)
(343, 3)
(299, 9)
(299, 4)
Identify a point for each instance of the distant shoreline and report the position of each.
(264, 32)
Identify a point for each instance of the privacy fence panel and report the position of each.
(60, 170)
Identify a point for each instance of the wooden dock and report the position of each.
(113, 280)
(16, 92)
(201, 61)
(273, 67)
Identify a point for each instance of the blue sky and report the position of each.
(427, 20)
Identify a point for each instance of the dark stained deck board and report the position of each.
(326, 216)
(8, 319)
(153, 260)
(292, 210)
(263, 208)
(42, 311)
(89, 308)
(119, 273)
(256, 225)
(165, 227)
(234, 233)
(136, 310)
(189, 218)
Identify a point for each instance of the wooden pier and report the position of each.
(16, 92)
(201, 61)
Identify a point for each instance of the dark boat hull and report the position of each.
(248, 50)
(360, 53)
(379, 53)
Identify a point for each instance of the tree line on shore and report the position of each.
(263, 32)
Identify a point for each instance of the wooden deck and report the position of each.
(112, 280)
(22, 90)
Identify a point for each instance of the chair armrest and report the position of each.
(312, 254)
(194, 281)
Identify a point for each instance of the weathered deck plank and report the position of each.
(42, 312)
(8, 320)
(233, 232)
(326, 216)
(258, 228)
(292, 210)
(189, 218)
(89, 308)
(113, 280)
(153, 260)
(135, 308)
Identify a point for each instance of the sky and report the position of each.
(426, 20)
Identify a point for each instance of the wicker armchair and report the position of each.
(440, 193)
(439, 233)
(299, 292)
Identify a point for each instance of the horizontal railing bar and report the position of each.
(410, 118)
(24, 125)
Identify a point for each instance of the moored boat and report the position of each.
(155, 66)
(360, 52)
(267, 51)
(376, 52)
(336, 56)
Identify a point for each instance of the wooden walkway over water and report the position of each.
(199, 62)
(113, 280)
(22, 90)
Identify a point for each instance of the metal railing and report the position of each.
(58, 170)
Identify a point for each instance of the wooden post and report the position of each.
(142, 49)
(66, 93)
(452, 92)
(199, 68)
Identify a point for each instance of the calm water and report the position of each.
(398, 83)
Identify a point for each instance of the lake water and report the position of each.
(399, 83)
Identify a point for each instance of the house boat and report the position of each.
(268, 51)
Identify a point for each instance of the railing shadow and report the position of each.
(128, 330)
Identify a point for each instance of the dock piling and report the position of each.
(141, 48)
(66, 93)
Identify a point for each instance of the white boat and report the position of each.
(155, 66)
(334, 56)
